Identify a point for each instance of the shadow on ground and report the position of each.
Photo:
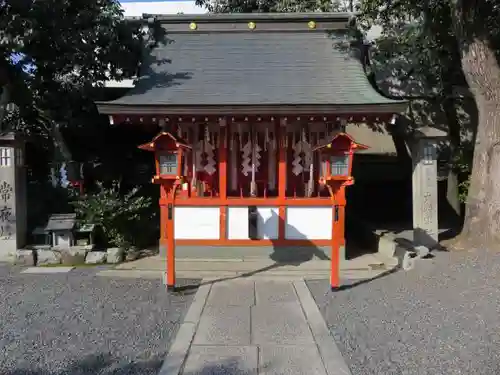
(103, 364)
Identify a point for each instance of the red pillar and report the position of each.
(338, 230)
(167, 239)
(280, 131)
(170, 244)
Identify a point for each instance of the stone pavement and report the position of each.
(364, 267)
(244, 327)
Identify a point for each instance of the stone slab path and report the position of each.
(244, 327)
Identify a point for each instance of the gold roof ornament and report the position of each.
(311, 25)
(252, 25)
(193, 26)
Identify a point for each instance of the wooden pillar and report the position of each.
(170, 241)
(281, 137)
(163, 221)
(167, 235)
(223, 143)
(338, 233)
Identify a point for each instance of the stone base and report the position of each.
(96, 257)
(422, 237)
(132, 255)
(73, 256)
(47, 257)
(115, 255)
(24, 258)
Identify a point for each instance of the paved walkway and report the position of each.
(243, 327)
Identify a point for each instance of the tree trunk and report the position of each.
(482, 214)
(450, 110)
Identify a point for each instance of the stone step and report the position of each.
(275, 274)
(365, 262)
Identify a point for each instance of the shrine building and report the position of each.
(257, 117)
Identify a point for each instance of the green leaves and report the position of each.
(58, 50)
(118, 215)
(263, 6)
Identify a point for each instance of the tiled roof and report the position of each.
(241, 67)
(59, 222)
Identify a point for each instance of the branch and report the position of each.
(370, 73)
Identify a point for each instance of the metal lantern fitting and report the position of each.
(193, 26)
(311, 24)
(252, 25)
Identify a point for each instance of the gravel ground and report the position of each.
(441, 318)
(78, 323)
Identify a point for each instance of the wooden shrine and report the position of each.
(251, 147)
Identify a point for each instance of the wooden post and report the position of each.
(337, 235)
(223, 159)
(171, 238)
(334, 256)
(281, 138)
(163, 221)
(223, 145)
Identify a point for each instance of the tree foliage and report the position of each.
(450, 44)
(265, 6)
(53, 53)
(419, 42)
(125, 219)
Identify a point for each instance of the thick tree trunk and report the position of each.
(482, 215)
(450, 110)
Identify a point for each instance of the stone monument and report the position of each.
(13, 210)
(424, 186)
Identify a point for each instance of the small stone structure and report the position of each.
(84, 235)
(13, 225)
(61, 227)
(62, 240)
(424, 186)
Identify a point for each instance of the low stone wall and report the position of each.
(46, 256)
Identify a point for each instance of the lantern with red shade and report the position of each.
(336, 156)
(170, 153)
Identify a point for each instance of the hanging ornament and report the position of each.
(255, 164)
(246, 152)
(210, 160)
(257, 152)
(207, 134)
(310, 183)
(199, 156)
(297, 160)
(306, 149)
